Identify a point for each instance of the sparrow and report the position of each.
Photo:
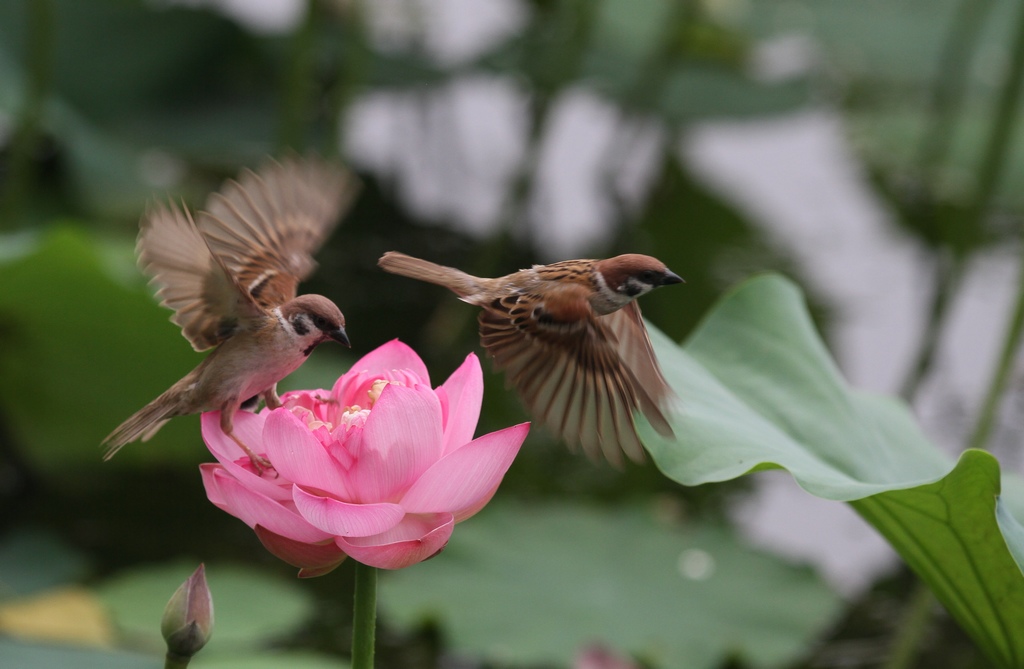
(231, 275)
(570, 339)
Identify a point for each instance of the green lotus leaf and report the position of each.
(757, 390)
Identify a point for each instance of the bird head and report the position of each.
(314, 319)
(632, 275)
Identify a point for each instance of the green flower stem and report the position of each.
(950, 87)
(946, 278)
(365, 623)
(909, 636)
(352, 65)
(947, 100)
(1000, 139)
(913, 627)
(998, 145)
(297, 87)
(41, 40)
(176, 661)
(1011, 343)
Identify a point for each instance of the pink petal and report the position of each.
(249, 428)
(413, 540)
(213, 493)
(394, 361)
(353, 389)
(461, 479)
(312, 559)
(461, 396)
(298, 456)
(254, 508)
(346, 520)
(401, 438)
(317, 402)
(313, 572)
(470, 511)
(391, 356)
(312, 400)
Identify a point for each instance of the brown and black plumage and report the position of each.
(231, 275)
(571, 341)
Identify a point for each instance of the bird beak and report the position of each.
(340, 336)
(670, 278)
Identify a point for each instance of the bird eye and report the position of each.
(648, 276)
(320, 322)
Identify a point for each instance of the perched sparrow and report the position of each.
(231, 275)
(571, 340)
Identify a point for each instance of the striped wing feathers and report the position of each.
(247, 251)
(266, 226)
(570, 368)
(208, 304)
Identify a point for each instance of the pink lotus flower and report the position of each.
(380, 468)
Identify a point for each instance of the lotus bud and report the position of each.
(188, 619)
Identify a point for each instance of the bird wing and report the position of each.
(208, 304)
(572, 367)
(266, 226)
(247, 251)
(637, 354)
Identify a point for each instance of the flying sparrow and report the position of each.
(570, 338)
(231, 275)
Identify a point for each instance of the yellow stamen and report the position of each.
(375, 390)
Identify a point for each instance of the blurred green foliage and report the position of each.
(578, 572)
(105, 104)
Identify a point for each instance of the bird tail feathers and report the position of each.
(455, 280)
(142, 425)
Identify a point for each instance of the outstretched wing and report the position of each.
(248, 250)
(266, 226)
(637, 354)
(574, 369)
(208, 304)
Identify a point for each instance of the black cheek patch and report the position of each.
(632, 289)
(299, 325)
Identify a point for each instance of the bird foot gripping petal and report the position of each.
(259, 463)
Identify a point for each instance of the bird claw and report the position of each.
(261, 464)
(271, 398)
